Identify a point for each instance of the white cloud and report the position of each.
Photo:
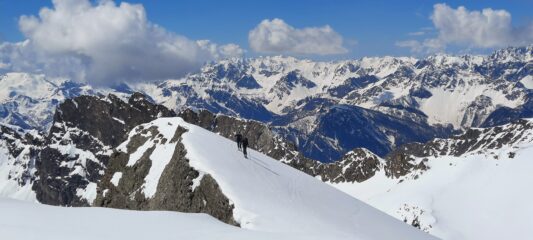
(473, 29)
(276, 36)
(106, 42)
(224, 51)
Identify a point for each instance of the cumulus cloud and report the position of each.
(488, 28)
(105, 42)
(276, 36)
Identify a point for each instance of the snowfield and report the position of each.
(26, 221)
(483, 195)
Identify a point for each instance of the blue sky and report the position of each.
(375, 26)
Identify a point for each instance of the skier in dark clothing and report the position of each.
(238, 138)
(244, 146)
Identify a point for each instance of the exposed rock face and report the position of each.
(287, 83)
(352, 83)
(399, 165)
(108, 119)
(77, 149)
(505, 115)
(176, 190)
(357, 165)
(477, 111)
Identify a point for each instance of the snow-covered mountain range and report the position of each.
(423, 140)
(387, 84)
(103, 151)
(118, 152)
(407, 99)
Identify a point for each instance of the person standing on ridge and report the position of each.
(244, 146)
(238, 138)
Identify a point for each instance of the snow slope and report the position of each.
(27, 221)
(483, 194)
(271, 196)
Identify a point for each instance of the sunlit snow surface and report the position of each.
(477, 196)
(26, 221)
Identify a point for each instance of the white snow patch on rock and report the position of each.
(119, 120)
(89, 193)
(116, 178)
(527, 81)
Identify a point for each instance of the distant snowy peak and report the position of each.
(29, 100)
(513, 54)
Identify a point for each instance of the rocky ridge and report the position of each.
(77, 149)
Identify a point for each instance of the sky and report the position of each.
(85, 33)
(374, 26)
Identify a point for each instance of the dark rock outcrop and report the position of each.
(357, 165)
(79, 143)
(107, 119)
(175, 189)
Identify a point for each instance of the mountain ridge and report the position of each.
(437, 92)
